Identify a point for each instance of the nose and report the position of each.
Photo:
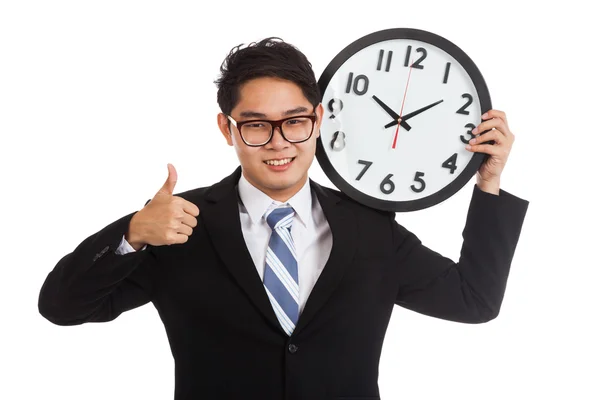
(277, 141)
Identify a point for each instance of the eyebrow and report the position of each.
(254, 114)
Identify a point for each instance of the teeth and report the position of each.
(279, 162)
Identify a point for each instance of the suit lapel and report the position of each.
(344, 232)
(221, 218)
(222, 221)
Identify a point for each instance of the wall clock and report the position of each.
(420, 79)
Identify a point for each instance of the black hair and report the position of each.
(270, 57)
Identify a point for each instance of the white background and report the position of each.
(97, 97)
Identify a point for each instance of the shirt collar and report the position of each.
(257, 203)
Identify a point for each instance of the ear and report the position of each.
(319, 111)
(223, 122)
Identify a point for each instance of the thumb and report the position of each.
(169, 184)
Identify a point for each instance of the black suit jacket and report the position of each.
(225, 338)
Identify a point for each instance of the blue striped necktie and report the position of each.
(281, 268)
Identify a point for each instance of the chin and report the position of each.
(281, 181)
(280, 184)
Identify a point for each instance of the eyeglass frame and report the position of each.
(274, 124)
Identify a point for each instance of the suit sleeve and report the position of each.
(94, 283)
(471, 290)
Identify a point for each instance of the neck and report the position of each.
(280, 194)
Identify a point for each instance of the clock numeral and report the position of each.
(418, 177)
(416, 64)
(339, 141)
(451, 163)
(388, 62)
(367, 165)
(359, 78)
(463, 109)
(339, 105)
(447, 72)
(470, 127)
(387, 186)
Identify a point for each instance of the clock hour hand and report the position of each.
(412, 114)
(392, 114)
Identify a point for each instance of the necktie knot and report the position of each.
(281, 217)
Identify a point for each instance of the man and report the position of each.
(269, 285)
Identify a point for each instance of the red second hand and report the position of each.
(402, 108)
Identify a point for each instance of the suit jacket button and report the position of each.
(292, 348)
(98, 255)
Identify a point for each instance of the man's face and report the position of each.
(273, 99)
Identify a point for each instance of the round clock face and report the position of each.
(400, 105)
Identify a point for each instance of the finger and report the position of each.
(169, 185)
(495, 114)
(185, 230)
(189, 220)
(496, 123)
(190, 208)
(179, 238)
(493, 136)
(491, 149)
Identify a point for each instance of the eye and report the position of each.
(297, 121)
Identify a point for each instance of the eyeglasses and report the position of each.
(256, 133)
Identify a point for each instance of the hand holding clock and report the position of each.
(496, 141)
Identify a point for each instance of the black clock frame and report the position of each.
(484, 99)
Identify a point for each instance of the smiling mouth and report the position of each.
(282, 161)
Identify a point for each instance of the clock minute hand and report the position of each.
(412, 114)
(392, 114)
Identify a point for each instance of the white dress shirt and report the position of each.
(310, 232)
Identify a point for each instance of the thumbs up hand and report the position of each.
(165, 220)
(169, 185)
